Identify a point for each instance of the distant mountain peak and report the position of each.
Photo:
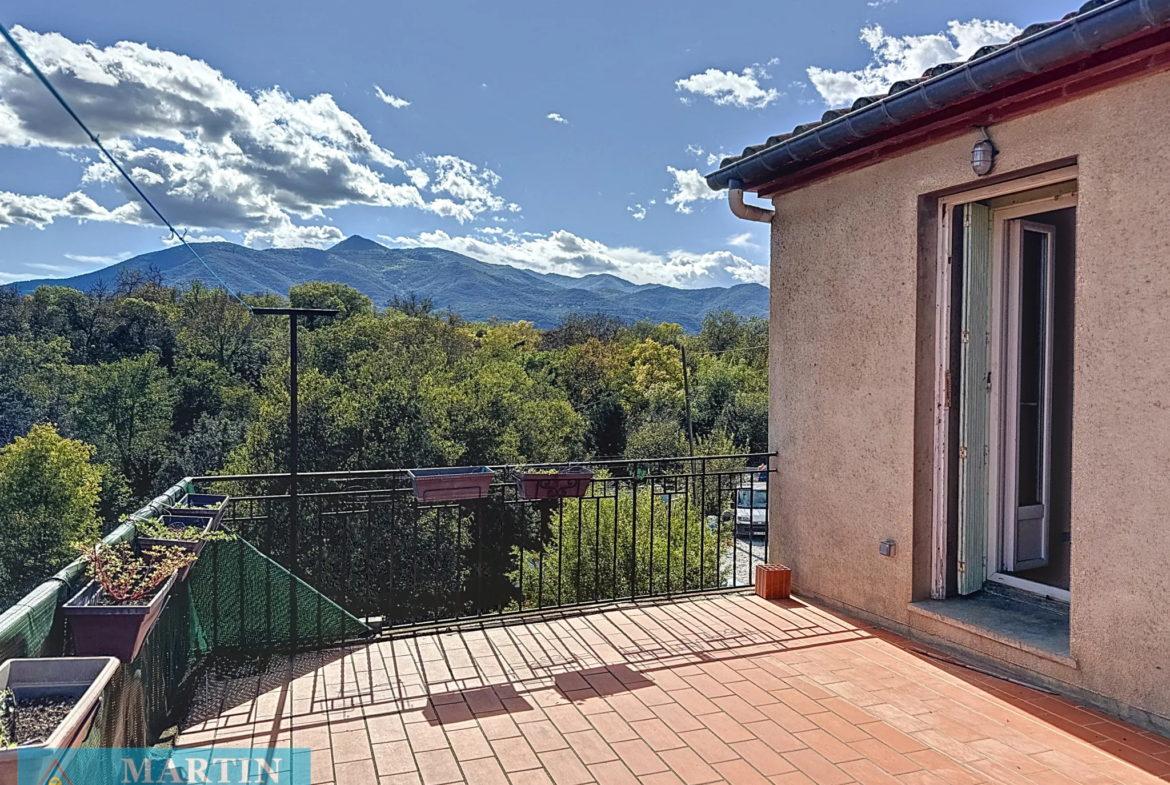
(355, 242)
(476, 290)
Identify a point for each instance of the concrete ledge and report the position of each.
(1037, 632)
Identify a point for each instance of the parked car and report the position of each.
(751, 509)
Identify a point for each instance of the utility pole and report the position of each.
(293, 452)
(687, 397)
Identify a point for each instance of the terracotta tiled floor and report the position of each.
(727, 689)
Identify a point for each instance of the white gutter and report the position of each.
(748, 212)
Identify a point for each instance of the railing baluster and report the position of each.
(703, 525)
(650, 555)
(634, 540)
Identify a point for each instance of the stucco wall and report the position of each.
(844, 295)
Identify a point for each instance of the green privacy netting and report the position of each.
(243, 604)
(235, 601)
(32, 627)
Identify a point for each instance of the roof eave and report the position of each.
(1063, 43)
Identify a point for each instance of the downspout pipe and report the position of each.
(748, 212)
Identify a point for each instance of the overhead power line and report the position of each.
(93, 138)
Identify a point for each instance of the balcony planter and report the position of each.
(112, 615)
(112, 630)
(204, 505)
(79, 680)
(190, 533)
(451, 484)
(571, 483)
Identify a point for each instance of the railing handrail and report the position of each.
(501, 467)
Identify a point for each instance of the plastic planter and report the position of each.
(112, 630)
(182, 522)
(83, 678)
(203, 505)
(451, 484)
(567, 484)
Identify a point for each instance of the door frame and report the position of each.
(946, 394)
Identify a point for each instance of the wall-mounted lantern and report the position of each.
(983, 155)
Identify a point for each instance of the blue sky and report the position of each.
(559, 137)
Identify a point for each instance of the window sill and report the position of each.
(1041, 629)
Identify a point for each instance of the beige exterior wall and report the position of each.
(844, 297)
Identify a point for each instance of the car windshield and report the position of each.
(757, 500)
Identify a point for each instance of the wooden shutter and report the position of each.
(975, 399)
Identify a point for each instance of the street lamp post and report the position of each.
(293, 315)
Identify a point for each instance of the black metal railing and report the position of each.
(642, 529)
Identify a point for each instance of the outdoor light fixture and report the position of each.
(983, 155)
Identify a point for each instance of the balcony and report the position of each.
(608, 638)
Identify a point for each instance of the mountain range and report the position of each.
(476, 290)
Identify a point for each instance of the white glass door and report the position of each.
(1028, 396)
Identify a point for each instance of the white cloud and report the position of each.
(565, 253)
(556, 118)
(211, 155)
(907, 57)
(196, 238)
(743, 241)
(292, 236)
(711, 158)
(40, 211)
(395, 101)
(637, 212)
(689, 187)
(728, 88)
(102, 260)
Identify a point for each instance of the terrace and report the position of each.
(535, 637)
(716, 689)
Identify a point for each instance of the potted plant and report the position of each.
(188, 532)
(451, 484)
(204, 505)
(48, 703)
(113, 613)
(570, 483)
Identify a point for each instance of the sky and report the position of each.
(567, 138)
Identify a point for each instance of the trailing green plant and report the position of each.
(155, 529)
(7, 719)
(128, 577)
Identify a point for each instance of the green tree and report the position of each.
(655, 541)
(125, 409)
(216, 327)
(35, 380)
(338, 296)
(49, 492)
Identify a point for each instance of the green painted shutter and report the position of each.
(975, 400)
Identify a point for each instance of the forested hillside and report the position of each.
(164, 382)
(472, 288)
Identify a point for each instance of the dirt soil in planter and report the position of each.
(36, 719)
(105, 600)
